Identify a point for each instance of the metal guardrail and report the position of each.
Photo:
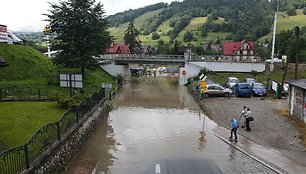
(17, 159)
(142, 58)
(139, 56)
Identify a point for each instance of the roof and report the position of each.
(299, 83)
(230, 48)
(118, 48)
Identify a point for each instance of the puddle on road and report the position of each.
(153, 120)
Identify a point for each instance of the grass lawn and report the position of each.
(20, 120)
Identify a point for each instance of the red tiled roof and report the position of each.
(230, 48)
(118, 48)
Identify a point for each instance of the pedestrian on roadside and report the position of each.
(234, 126)
(243, 114)
(248, 116)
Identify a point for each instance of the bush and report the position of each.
(155, 36)
(67, 102)
(291, 11)
(188, 36)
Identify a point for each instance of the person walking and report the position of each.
(248, 116)
(243, 115)
(234, 126)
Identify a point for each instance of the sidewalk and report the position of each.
(267, 156)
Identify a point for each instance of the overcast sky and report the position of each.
(26, 15)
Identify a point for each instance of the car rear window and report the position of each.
(244, 86)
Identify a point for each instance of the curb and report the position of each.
(249, 155)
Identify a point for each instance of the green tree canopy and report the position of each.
(187, 36)
(131, 37)
(81, 32)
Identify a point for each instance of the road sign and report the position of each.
(107, 85)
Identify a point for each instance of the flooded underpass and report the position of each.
(157, 127)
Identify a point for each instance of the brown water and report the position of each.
(154, 121)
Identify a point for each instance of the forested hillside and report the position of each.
(243, 19)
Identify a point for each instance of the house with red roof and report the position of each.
(118, 48)
(243, 51)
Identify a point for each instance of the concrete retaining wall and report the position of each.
(193, 68)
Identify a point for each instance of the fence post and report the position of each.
(58, 131)
(26, 156)
(39, 94)
(77, 116)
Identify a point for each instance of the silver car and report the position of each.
(231, 81)
(216, 90)
(250, 80)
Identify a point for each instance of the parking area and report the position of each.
(269, 129)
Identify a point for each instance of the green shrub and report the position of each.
(63, 100)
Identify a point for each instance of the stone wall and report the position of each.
(291, 67)
(60, 154)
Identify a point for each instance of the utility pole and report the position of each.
(273, 39)
(296, 34)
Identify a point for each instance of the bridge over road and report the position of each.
(118, 64)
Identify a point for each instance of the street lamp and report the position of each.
(273, 39)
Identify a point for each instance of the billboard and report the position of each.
(75, 81)
(3, 33)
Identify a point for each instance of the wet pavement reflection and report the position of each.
(156, 126)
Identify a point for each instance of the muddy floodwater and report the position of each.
(157, 127)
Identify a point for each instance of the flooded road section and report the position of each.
(157, 127)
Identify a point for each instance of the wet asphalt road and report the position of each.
(157, 127)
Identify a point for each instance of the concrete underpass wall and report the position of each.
(193, 68)
(115, 70)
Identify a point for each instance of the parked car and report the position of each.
(243, 89)
(259, 89)
(250, 80)
(231, 81)
(216, 90)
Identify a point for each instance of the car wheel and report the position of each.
(206, 95)
(226, 94)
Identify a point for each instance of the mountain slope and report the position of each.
(209, 20)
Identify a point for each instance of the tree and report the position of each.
(304, 10)
(187, 36)
(131, 37)
(155, 36)
(81, 32)
(291, 11)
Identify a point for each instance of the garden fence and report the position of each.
(17, 159)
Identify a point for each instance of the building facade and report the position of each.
(297, 99)
(243, 51)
